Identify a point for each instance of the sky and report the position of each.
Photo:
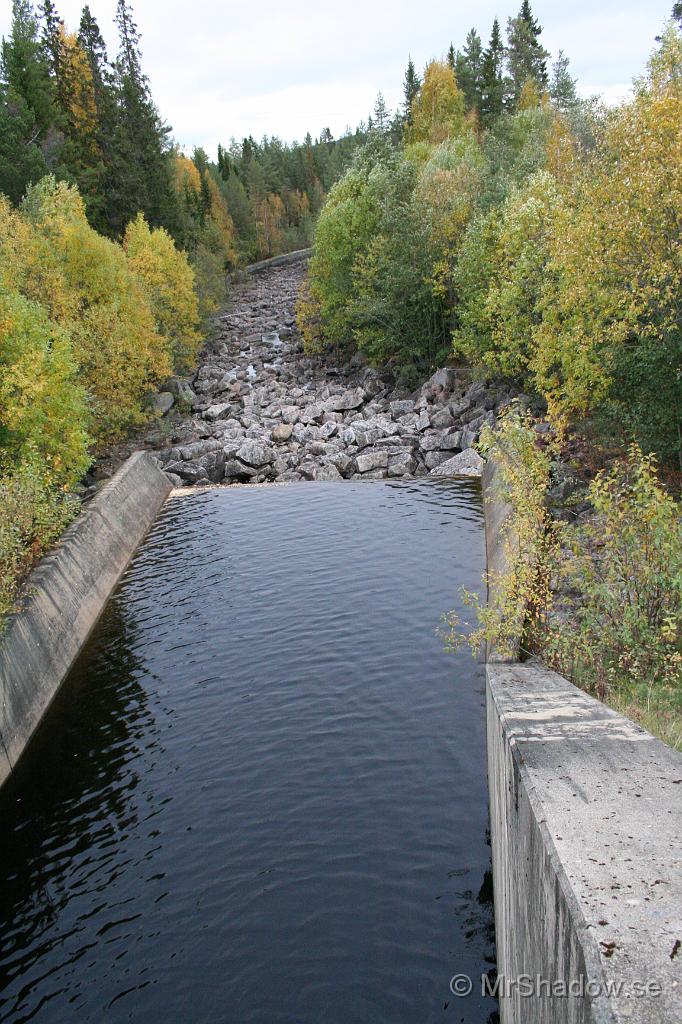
(219, 69)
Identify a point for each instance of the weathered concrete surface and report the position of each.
(287, 259)
(65, 596)
(586, 822)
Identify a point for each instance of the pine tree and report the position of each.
(452, 58)
(411, 86)
(526, 57)
(562, 86)
(51, 37)
(492, 88)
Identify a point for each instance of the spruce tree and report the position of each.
(25, 72)
(141, 151)
(492, 87)
(526, 57)
(412, 84)
(382, 118)
(452, 58)
(562, 86)
(469, 70)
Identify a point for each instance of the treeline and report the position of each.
(66, 109)
(521, 230)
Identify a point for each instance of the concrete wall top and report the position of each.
(284, 260)
(606, 797)
(65, 596)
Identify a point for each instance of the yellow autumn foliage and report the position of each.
(438, 108)
(169, 286)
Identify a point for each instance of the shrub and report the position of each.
(33, 514)
(170, 288)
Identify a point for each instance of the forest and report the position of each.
(507, 228)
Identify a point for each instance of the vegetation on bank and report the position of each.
(598, 597)
(520, 230)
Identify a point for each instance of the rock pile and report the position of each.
(260, 410)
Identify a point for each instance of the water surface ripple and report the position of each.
(260, 796)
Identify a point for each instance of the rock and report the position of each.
(372, 474)
(281, 432)
(446, 377)
(161, 403)
(236, 470)
(183, 391)
(442, 419)
(290, 413)
(343, 462)
(311, 414)
(290, 476)
(217, 412)
(433, 459)
(175, 479)
(189, 452)
(467, 463)
(423, 421)
(327, 472)
(329, 429)
(401, 464)
(372, 460)
(401, 407)
(451, 441)
(347, 401)
(255, 454)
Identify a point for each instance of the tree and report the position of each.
(452, 57)
(140, 151)
(382, 118)
(25, 72)
(562, 86)
(438, 109)
(411, 86)
(526, 57)
(469, 70)
(492, 84)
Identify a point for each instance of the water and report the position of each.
(260, 796)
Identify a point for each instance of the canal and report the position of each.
(260, 796)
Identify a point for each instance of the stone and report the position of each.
(372, 460)
(291, 413)
(433, 459)
(327, 472)
(162, 402)
(218, 412)
(401, 407)
(236, 470)
(442, 419)
(281, 432)
(451, 441)
(329, 429)
(467, 463)
(182, 390)
(347, 401)
(311, 414)
(423, 421)
(446, 377)
(402, 464)
(175, 480)
(255, 454)
(372, 474)
(343, 462)
(189, 452)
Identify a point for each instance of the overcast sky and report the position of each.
(219, 69)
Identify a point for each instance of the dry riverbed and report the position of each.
(259, 409)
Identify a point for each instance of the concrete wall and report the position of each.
(586, 826)
(285, 260)
(65, 596)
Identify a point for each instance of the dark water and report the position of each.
(260, 796)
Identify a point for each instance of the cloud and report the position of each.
(219, 69)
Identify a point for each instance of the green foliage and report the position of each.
(33, 514)
(622, 635)
(516, 615)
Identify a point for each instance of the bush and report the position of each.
(170, 288)
(33, 514)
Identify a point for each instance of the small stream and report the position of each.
(260, 796)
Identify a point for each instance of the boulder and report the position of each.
(401, 407)
(402, 464)
(182, 390)
(327, 472)
(446, 377)
(291, 413)
(281, 432)
(253, 453)
(217, 412)
(369, 461)
(467, 463)
(236, 470)
(442, 419)
(161, 403)
(347, 401)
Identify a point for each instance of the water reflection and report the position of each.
(260, 797)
